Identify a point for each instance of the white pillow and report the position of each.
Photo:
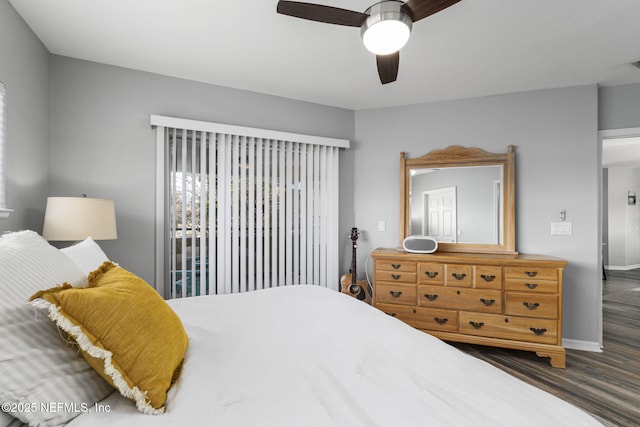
(86, 255)
(37, 366)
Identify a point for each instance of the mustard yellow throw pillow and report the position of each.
(124, 329)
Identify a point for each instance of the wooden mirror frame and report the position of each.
(457, 156)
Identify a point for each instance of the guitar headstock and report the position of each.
(354, 233)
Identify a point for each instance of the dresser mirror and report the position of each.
(462, 197)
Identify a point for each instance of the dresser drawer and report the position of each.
(532, 285)
(396, 293)
(531, 273)
(396, 266)
(532, 305)
(487, 277)
(396, 276)
(458, 275)
(431, 273)
(484, 300)
(509, 327)
(423, 318)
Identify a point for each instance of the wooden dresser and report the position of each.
(496, 300)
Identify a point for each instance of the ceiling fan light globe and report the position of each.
(387, 29)
(386, 37)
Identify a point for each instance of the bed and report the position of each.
(310, 356)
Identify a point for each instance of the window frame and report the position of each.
(4, 211)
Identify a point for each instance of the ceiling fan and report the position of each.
(384, 27)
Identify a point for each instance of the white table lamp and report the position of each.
(76, 218)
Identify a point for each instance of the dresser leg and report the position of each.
(558, 359)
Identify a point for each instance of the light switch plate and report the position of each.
(561, 229)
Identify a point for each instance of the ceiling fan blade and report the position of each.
(388, 67)
(322, 13)
(420, 9)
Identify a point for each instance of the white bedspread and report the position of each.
(308, 356)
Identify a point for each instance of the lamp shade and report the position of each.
(76, 218)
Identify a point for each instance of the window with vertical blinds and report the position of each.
(243, 209)
(3, 119)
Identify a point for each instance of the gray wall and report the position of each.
(619, 107)
(102, 144)
(557, 167)
(24, 69)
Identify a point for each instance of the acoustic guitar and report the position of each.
(349, 282)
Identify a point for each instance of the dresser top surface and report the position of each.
(459, 257)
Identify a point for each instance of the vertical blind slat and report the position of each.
(288, 231)
(310, 198)
(316, 215)
(274, 212)
(282, 203)
(202, 205)
(242, 192)
(323, 216)
(260, 202)
(183, 217)
(295, 190)
(332, 206)
(172, 211)
(235, 223)
(194, 218)
(251, 209)
(266, 262)
(213, 213)
(224, 211)
(303, 214)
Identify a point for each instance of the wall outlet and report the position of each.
(561, 229)
(382, 226)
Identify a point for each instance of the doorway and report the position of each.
(620, 206)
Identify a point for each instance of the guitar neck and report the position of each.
(354, 273)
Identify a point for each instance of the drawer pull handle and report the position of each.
(531, 285)
(441, 321)
(538, 331)
(392, 314)
(531, 305)
(396, 266)
(395, 276)
(477, 325)
(531, 273)
(459, 276)
(431, 297)
(395, 294)
(431, 274)
(488, 278)
(487, 302)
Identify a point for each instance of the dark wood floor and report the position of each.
(606, 384)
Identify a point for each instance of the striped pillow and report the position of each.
(37, 368)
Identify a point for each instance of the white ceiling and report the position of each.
(474, 48)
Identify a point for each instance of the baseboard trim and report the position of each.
(622, 267)
(581, 345)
